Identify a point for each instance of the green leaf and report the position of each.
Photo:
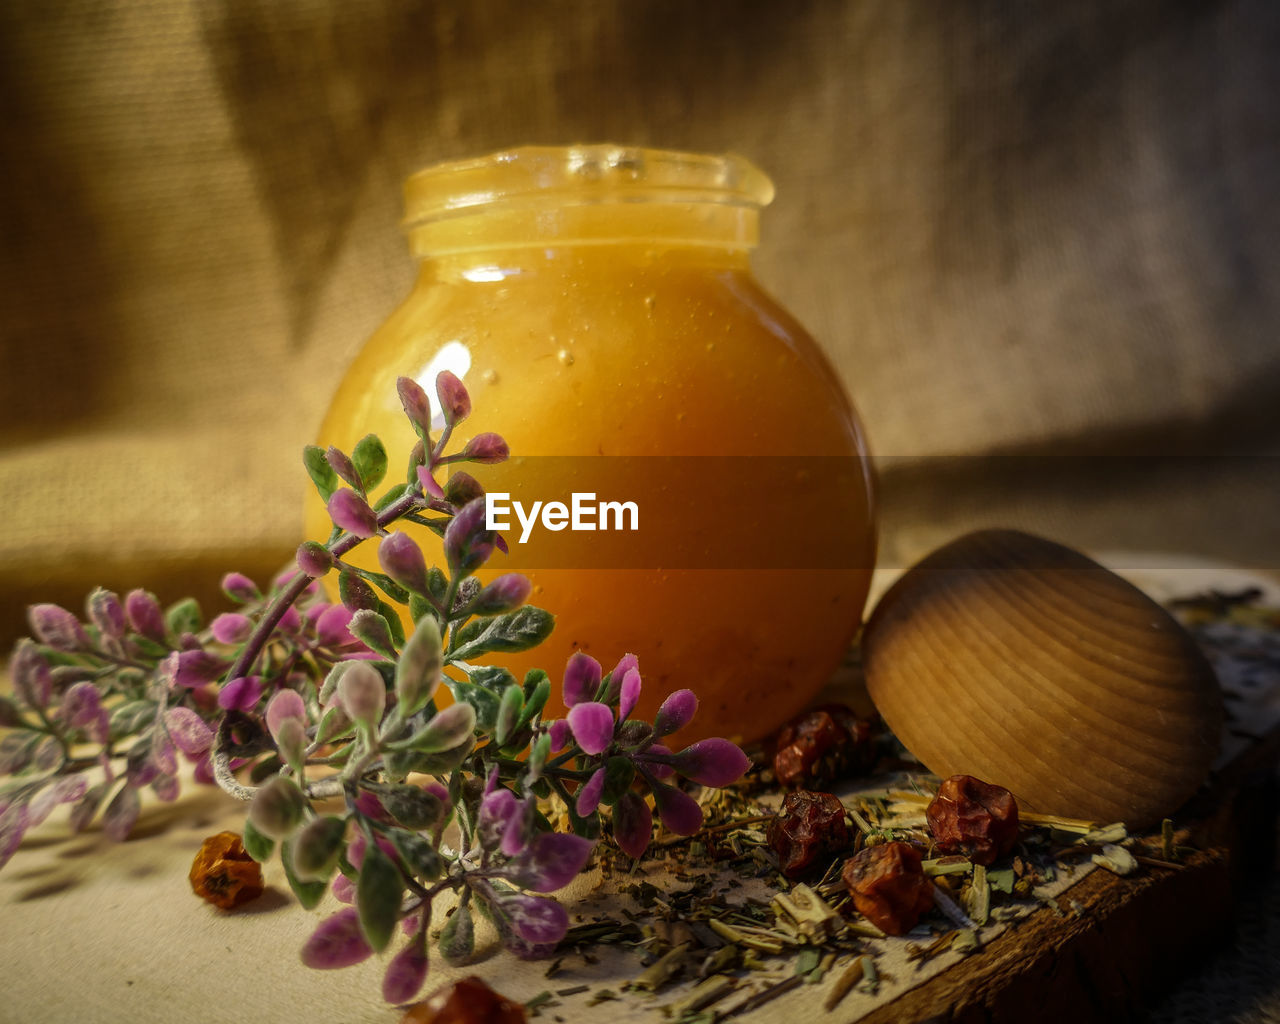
(387, 585)
(619, 773)
(516, 631)
(418, 854)
(484, 700)
(378, 894)
(309, 893)
(492, 677)
(321, 473)
(355, 593)
(457, 937)
(538, 758)
(129, 718)
(183, 617)
(370, 458)
(420, 606)
(391, 494)
(256, 845)
(535, 698)
(509, 709)
(418, 671)
(412, 806)
(437, 583)
(393, 620)
(316, 849)
(373, 629)
(334, 725)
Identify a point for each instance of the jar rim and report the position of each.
(583, 174)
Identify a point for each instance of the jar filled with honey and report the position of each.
(598, 302)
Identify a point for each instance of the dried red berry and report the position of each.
(224, 874)
(973, 817)
(466, 1001)
(809, 826)
(889, 887)
(828, 742)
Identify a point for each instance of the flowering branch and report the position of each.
(318, 700)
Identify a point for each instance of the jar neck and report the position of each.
(569, 198)
(725, 231)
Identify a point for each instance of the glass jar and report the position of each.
(599, 304)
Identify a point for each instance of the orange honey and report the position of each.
(599, 304)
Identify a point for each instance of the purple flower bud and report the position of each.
(290, 622)
(284, 704)
(581, 679)
(106, 612)
(592, 726)
(291, 742)
(530, 926)
(363, 694)
(163, 753)
(467, 543)
(498, 812)
(629, 694)
(402, 560)
(462, 489)
(32, 678)
(14, 822)
(676, 712)
(352, 513)
(67, 789)
(165, 787)
(455, 403)
(370, 806)
(589, 794)
(144, 615)
(338, 942)
(341, 464)
(196, 668)
(406, 973)
(344, 890)
(241, 589)
(429, 484)
(628, 662)
(711, 762)
(655, 757)
(57, 627)
(506, 593)
(121, 814)
(415, 403)
(240, 694)
(632, 825)
(81, 705)
(188, 730)
(559, 734)
(680, 813)
(332, 626)
(486, 449)
(231, 628)
(202, 774)
(551, 861)
(314, 558)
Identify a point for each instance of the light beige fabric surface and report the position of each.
(1015, 228)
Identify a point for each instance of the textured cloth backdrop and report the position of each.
(1015, 227)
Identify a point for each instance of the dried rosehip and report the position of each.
(809, 826)
(889, 887)
(224, 874)
(466, 1001)
(973, 817)
(828, 742)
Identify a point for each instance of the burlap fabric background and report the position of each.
(1015, 227)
